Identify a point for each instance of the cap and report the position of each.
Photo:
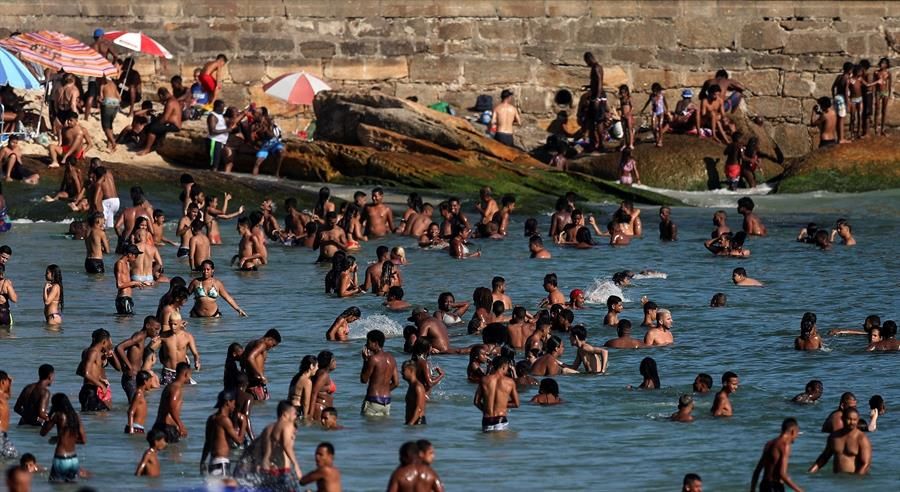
(224, 396)
(685, 400)
(505, 93)
(98, 33)
(132, 250)
(687, 94)
(416, 312)
(576, 293)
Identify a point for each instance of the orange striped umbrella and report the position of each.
(58, 51)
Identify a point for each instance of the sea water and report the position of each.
(604, 437)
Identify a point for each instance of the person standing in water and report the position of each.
(69, 433)
(495, 395)
(505, 116)
(53, 295)
(773, 464)
(379, 217)
(380, 372)
(96, 243)
(253, 361)
(722, 404)
(850, 447)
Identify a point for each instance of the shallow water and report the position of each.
(605, 437)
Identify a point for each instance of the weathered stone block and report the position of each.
(533, 99)
(762, 36)
(602, 32)
(109, 8)
(544, 53)
(275, 68)
(405, 8)
(518, 8)
(329, 8)
(211, 45)
(267, 45)
(460, 99)
(456, 30)
(726, 59)
(696, 33)
(696, 79)
(465, 9)
(235, 95)
(822, 83)
(495, 71)
(501, 50)
(568, 8)
(794, 140)
(331, 27)
(812, 42)
(369, 26)
(613, 77)
(857, 45)
(774, 8)
(678, 57)
(663, 10)
(244, 70)
(432, 69)
(319, 49)
(511, 29)
(774, 107)
(632, 55)
(605, 8)
(820, 9)
(766, 60)
(551, 31)
(426, 93)
(806, 24)
(649, 33)
(367, 68)
(798, 85)
(360, 47)
(644, 78)
(852, 10)
(261, 8)
(413, 27)
(395, 47)
(759, 82)
(805, 63)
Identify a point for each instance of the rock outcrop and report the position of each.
(862, 165)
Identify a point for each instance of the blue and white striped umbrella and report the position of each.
(14, 72)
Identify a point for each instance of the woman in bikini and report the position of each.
(53, 295)
(7, 293)
(628, 172)
(214, 214)
(170, 316)
(323, 387)
(390, 277)
(352, 226)
(300, 393)
(340, 329)
(625, 109)
(323, 204)
(206, 289)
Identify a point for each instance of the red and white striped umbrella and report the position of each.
(138, 41)
(296, 88)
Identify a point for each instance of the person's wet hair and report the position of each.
(718, 300)
(45, 371)
(325, 357)
(483, 298)
(739, 271)
(876, 402)
(283, 407)
(623, 327)
(807, 324)
(376, 336)
(649, 371)
(498, 308)
(788, 424)
(612, 301)
(746, 203)
(578, 332)
(549, 386)
(705, 379)
(728, 375)
(889, 329)
(531, 227)
(550, 279)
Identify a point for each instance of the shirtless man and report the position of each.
(596, 115)
(137, 405)
(124, 283)
(834, 421)
(199, 246)
(774, 460)
(103, 195)
(504, 117)
(843, 229)
(379, 217)
(712, 115)
(722, 404)
(149, 464)
(536, 248)
(554, 295)
(278, 443)
(332, 238)
(373, 271)
(104, 47)
(413, 475)
(220, 435)
(519, 328)
(168, 417)
(420, 222)
(65, 467)
(614, 307)
(540, 335)
(248, 257)
(183, 230)
(148, 266)
(498, 292)
(850, 447)
(130, 353)
(740, 278)
(593, 358)
(435, 331)
(124, 225)
(496, 393)
(11, 162)
(326, 475)
(624, 340)
(71, 187)
(168, 122)
(549, 363)
(668, 231)
(380, 372)
(96, 244)
(210, 75)
(33, 404)
(825, 119)
(75, 141)
(685, 407)
(253, 362)
(752, 224)
(486, 205)
(661, 334)
(725, 84)
(457, 214)
(95, 394)
(7, 450)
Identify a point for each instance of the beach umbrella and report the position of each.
(138, 41)
(296, 88)
(57, 51)
(14, 73)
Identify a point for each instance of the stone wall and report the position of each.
(787, 53)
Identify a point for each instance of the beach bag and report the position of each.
(615, 131)
(485, 118)
(484, 102)
(441, 107)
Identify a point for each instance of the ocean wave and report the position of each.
(601, 290)
(40, 221)
(712, 198)
(389, 327)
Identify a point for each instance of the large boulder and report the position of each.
(862, 165)
(683, 163)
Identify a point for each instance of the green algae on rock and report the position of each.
(862, 165)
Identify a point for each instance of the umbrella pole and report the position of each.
(125, 80)
(43, 101)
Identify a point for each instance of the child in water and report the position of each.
(733, 157)
(149, 465)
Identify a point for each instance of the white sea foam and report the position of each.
(389, 327)
(601, 290)
(29, 221)
(662, 275)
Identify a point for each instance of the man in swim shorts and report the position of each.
(96, 243)
(168, 418)
(253, 362)
(74, 142)
(380, 372)
(7, 450)
(124, 284)
(169, 122)
(496, 393)
(102, 195)
(95, 394)
(774, 460)
(209, 76)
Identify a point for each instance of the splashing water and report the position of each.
(389, 327)
(651, 274)
(601, 290)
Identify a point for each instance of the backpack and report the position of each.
(484, 102)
